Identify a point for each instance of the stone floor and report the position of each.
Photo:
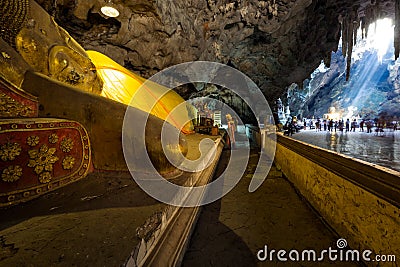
(91, 222)
(231, 231)
(382, 149)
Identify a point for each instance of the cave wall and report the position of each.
(267, 40)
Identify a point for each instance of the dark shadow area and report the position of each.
(213, 243)
(97, 191)
(232, 230)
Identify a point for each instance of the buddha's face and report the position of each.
(50, 50)
(66, 65)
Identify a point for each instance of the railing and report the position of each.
(253, 133)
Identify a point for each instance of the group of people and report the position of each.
(347, 126)
(291, 127)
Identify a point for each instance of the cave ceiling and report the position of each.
(274, 42)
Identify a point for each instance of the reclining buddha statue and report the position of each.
(62, 108)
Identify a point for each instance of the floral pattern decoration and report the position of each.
(32, 140)
(42, 160)
(67, 144)
(68, 163)
(53, 138)
(45, 177)
(10, 151)
(11, 174)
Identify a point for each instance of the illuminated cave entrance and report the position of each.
(210, 101)
(360, 85)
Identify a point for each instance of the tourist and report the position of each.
(291, 128)
(369, 126)
(341, 125)
(330, 125)
(353, 125)
(362, 126)
(231, 129)
(347, 125)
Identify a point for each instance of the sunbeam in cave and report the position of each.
(371, 88)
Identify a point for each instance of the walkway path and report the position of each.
(232, 230)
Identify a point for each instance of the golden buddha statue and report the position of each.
(46, 47)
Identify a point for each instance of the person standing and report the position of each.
(347, 125)
(341, 125)
(369, 126)
(291, 128)
(330, 125)
(231, 129)
(362, 126)
(353, 125)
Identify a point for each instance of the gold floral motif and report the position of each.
(45, 177)
(5, 55)
(42, 160)
(11, 174)
(67, 144)
(10, 151)
(9, 107)
(32, 140)
(68, 163)
(53, 138)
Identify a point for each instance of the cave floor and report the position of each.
(232, 230)
(91, 222)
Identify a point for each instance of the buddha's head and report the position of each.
(48, 48)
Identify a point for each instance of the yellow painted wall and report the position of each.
(363, 219)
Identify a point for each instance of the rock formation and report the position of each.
(274, 42)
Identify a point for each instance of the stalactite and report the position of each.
(349, 46)
(370, 17)
(356, 24)
(327, 60)
(363, 27)
(397, 30)
(344, 36)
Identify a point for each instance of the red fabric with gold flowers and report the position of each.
(39, 155)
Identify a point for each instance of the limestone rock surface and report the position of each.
(274, 42)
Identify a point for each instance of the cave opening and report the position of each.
(370, 93)
(355, 115)
(210, 99)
